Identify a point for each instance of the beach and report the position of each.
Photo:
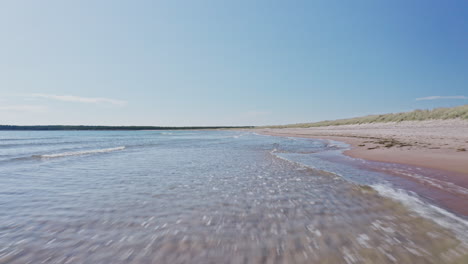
(438, 145)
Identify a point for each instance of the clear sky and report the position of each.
(176, 63)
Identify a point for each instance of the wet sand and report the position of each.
(440, 146)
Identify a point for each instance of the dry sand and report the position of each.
(437, 144)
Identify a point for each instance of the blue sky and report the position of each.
(176, 63)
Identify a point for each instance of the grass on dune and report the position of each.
(458, 112)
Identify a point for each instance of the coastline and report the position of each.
(440, 144)
(432, 145)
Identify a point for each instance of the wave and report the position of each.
(32, 138)
(234, 136)
(35, 144)
(409, 199)
(444, 185)
(336, 176)
(262, 135)
(442, 217)
(78, 153)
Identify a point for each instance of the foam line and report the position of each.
(78, 153)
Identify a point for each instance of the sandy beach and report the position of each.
(439, 145)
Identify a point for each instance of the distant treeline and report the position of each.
(8, 127)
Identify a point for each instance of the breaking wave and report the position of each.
(411, 201)
(78, 153)
(429, 211)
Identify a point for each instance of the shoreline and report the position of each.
(445, 167)
(440, 144)
(439, 160)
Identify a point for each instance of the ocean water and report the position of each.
(209, 197)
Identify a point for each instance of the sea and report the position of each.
(213, 196)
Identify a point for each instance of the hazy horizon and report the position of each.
(209, 63)
(428, 116)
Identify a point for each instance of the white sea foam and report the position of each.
(445, 185)
(274, 151)
(442, 217)
(411, 200)
(78, 153)
(239, 135)
(338, 144)
(263, 135)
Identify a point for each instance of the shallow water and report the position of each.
(208, 197)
